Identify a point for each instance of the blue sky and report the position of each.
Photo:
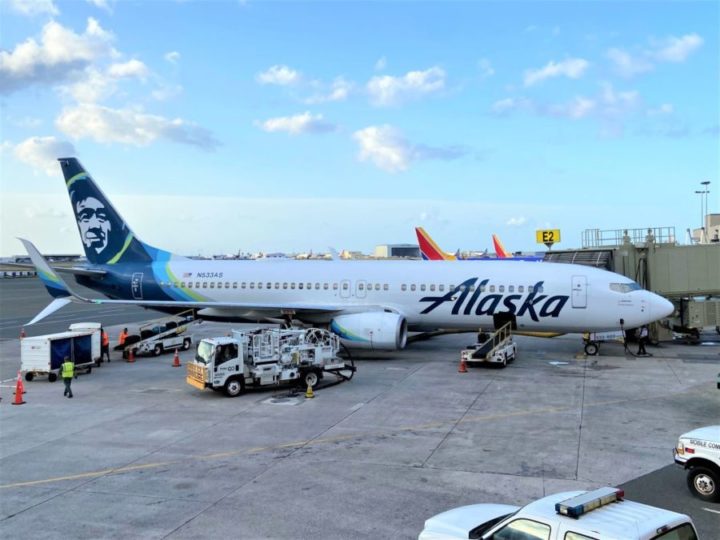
(287, 126)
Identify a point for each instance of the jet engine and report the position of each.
(371, 330)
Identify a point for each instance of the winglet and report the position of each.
(500, 250)
(429, 249)
(52, 281)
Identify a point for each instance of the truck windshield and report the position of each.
(204, 352)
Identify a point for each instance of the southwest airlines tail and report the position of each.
(500, 250)
(429, 250)
(106, 237)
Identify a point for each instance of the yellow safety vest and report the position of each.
(68, 370)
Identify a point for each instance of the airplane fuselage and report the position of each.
(457, 294)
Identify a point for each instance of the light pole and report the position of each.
(702, 221)
(706, 191)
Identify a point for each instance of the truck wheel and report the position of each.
(703, 483)
(157, 350)
(234, 387)
(29, 376)
(591, 349)
(186, 344)
(52, 377)
(310, 379)
(503, 364)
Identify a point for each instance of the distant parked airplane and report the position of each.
(369, 304)
(430, 251)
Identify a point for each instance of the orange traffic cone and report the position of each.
(18, 392)
(176, 359)
(22, 333)
(19, 385)
(462, 368)
(131, 356)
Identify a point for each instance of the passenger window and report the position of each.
(212, 284)
(317, 286)
(386, 287)
(403, 287)
(492, 288)
(204, 284)
(441, 288)
(189, 285)
(345, 286)
(501, 288)
(242, 285)
(377, 286)
(182, 284)
(197, 285)
(285, 285)
(252, 284)
(483, 288)
(277, 285)
(227, 284)
(361, 287)
(511, 288)
(234, 284)
(472, 288)
(521, 288)
(292, 285)
(259, 284)
(335, 286)
(309, 285)
(451, 288)
(325, 286)
(412, 287)
(300, 285)
(422, 287)
(523, 529)
(432, 287)
(268, 285)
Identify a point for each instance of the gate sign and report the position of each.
(547, 237)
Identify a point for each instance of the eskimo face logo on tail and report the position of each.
(533, 304)
(94, 224)
(101, 230)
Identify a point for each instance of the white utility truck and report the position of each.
(158, 336)
(43, 355)
(267, 357)
(699, 452)
(497, 348)
(577, 515)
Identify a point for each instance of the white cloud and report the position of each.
(129, 126)
(665, 108)
(339, 91)
(298, 124)
(486, 68)
(279, 75)
(131, 68)
(101, 4)
(507, 105)
(381, 64)
(674, 49)
(59, 55)
(572, 68)
(387, 90)
(173, 57)
(166, 92)
(516, 221)
(41, 153)
(34, 7)
(93, 87)
(671, 49)
(388, 149)
(628, 65)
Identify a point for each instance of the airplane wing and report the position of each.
(63, 295)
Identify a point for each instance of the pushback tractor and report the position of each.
(267, 357)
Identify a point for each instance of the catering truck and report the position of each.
(43, 355)
(267, 357)
(578, 515)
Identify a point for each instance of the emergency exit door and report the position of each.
(579, 291)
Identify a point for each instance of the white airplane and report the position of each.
(369, 304)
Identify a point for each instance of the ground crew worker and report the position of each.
(122, 337)
(642, 341)
(105, 345)
(67, 371)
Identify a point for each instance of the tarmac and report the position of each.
(138, 453)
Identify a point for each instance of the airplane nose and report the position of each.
(660, 307)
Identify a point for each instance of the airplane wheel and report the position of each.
(591, 349)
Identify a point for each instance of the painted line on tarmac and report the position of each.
(711, 510)
(326, 440)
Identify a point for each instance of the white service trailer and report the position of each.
(43, 355)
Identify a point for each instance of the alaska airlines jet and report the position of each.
(430, 251)
(369, 304)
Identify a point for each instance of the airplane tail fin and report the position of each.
(500, 250)
(429, 250)
(105, 236)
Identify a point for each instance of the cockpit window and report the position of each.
(625, 287)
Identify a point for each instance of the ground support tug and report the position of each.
(497, 348)
(267, 357)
